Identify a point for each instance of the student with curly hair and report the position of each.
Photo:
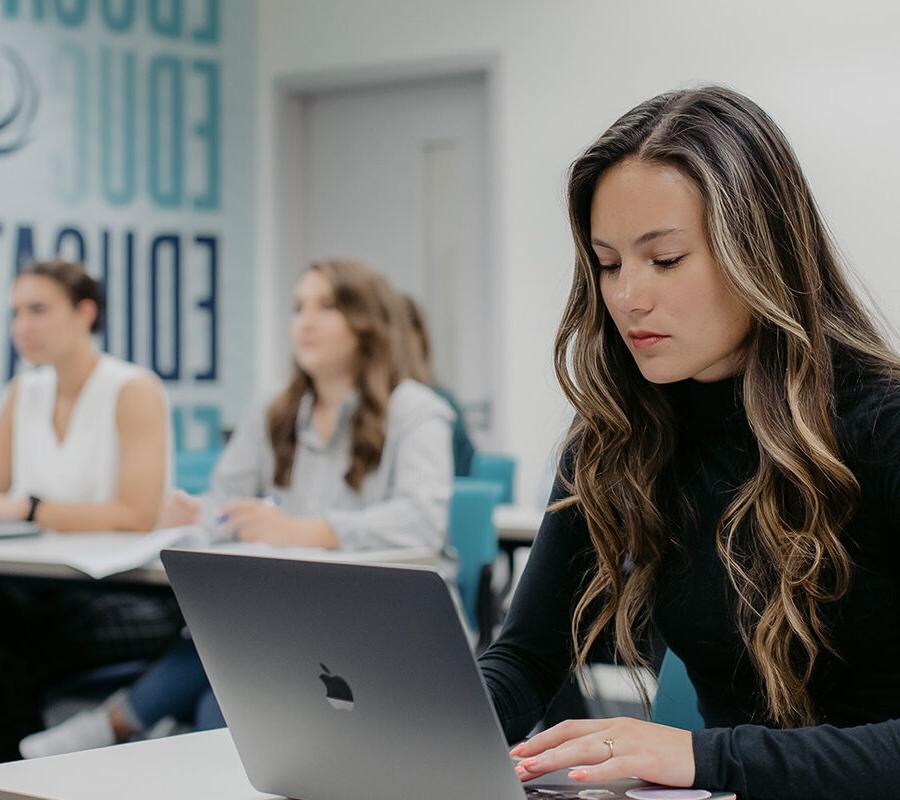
(732, 473)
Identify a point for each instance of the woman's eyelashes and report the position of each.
(668, 263)
(662, 263)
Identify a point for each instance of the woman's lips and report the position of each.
(644, 342)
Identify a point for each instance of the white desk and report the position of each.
(196, 766)
(133, 558)
(152, 575)
(102, 557)
(117, 555)
(53, 556)
(517, 524)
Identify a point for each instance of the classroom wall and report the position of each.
(127, 142)
(825, 70)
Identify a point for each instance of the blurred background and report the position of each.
(197, 153)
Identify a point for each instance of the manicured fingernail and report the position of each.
(578, 775)
(516, 750)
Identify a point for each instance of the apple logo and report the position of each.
(337, 691)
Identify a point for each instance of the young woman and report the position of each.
(83, 436)
(351, 454)
(83, 446)
(733, 472)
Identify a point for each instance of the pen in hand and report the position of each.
(270, 500)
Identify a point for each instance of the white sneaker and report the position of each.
(84, 731)
(167, 726)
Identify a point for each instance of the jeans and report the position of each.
(176, 686)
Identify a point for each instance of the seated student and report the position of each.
(83, 447)
(737, 439)
(420, 344)
(358, 456)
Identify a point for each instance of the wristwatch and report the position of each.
(33, 503)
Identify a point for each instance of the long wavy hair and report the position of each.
(779, 538)
(378, 318)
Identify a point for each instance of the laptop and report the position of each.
(342, 681)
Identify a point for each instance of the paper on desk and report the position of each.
(100, 555)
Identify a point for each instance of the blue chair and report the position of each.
(676, 700)
(193, 469)
(498, 468)
(208, 417)
(473, 535)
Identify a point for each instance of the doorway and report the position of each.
(397, 173)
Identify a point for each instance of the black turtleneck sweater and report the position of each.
(855, 751)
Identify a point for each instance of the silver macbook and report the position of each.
(344, 681)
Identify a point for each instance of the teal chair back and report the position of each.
(498, 468)
(474, 537)
(193, 469)
(208, 418)
(676, 700)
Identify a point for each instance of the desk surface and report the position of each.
(196, 765)
(33, 559)
(189, 767)
(517, 523)
(151, 575)
(53, 556)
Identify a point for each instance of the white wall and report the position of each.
(826, 70)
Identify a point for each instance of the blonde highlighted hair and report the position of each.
(779, 538)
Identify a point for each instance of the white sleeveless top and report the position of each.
(84, 467)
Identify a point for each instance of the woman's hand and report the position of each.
(179, 508)
(13, 507)
(610, 749)
(261, 521)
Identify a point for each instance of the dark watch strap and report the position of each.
(33, 502)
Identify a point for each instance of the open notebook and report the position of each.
(98, 555)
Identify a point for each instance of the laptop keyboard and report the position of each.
(536, 793)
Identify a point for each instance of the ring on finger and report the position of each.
(609, 743)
